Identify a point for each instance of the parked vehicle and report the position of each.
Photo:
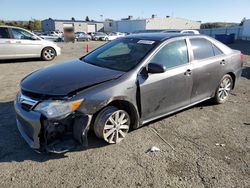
(100, 36)
(91, 34)
(82, 37)
(148, 31)
(48, 37)
(190, 31)
(122, 85)
(115, 35)
(187, 31)
(55, 33)
(20, 43)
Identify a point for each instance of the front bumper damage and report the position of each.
(56, 136)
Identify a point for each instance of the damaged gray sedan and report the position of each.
(121, 86)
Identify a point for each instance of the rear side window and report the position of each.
(172, 54)
(217, 51)
(4, 33)
(202, 48)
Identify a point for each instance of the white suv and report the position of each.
(18, 43)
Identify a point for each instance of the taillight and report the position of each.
(242, 57)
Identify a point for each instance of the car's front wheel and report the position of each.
(112, 124)
(48, 54)
(223, 91)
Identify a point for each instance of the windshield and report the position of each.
(121, 55)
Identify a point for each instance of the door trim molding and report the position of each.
(171, 112)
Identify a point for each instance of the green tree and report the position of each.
(2, 22)
(37, 24)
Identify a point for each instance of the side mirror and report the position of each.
(33, 37)
(156, 68)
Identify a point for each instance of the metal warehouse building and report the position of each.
(78, 25)
(246, 30)
(131, 25)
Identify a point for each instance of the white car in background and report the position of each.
(16, 43)
(50, 37)
(185, 31)
(115, 35)
(55, 33)
(190, 31)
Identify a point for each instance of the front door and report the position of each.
(24, 45)
(165, 92)
(6, 51)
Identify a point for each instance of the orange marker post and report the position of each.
(87, 48)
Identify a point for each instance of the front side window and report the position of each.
(123, 54)
(4, 33)
(172, 54)
(202, 48)
(21, 34)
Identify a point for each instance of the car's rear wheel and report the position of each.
(112, 124)
(48, 54)
(223, 91)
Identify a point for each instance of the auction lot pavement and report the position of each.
(204, 146)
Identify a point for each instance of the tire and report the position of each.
(112, 124)
(223, 90)
(48, 54)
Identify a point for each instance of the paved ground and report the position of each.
(205, 146)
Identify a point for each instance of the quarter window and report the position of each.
(4, 33)
(172, 54)
(217, 51)
(21, 34)
(202, 48)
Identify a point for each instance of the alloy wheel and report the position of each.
(116, 127)
(224, 88)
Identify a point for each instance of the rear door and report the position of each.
(168, 91)
(6, 50)
(207, 62)
(24, 45)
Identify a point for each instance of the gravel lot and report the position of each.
(204, 146)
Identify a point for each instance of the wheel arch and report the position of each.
(233, 77)
(128, 107)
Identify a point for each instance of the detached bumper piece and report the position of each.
(60, 136)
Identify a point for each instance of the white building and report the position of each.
(77, 25)
(246, 30)
(153, 23)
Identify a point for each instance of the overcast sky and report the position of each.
(205, 11)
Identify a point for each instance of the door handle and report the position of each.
(188, 72)
(223, 62)
(18, 42)
(10, 42)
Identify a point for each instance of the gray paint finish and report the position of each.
(150, 95)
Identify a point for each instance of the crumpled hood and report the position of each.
(65, 78)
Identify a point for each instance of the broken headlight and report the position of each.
(57, 109)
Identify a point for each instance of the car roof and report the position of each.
(157, 36)
(13, 27)
(9, 26)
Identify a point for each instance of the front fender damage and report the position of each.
(60, 136)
